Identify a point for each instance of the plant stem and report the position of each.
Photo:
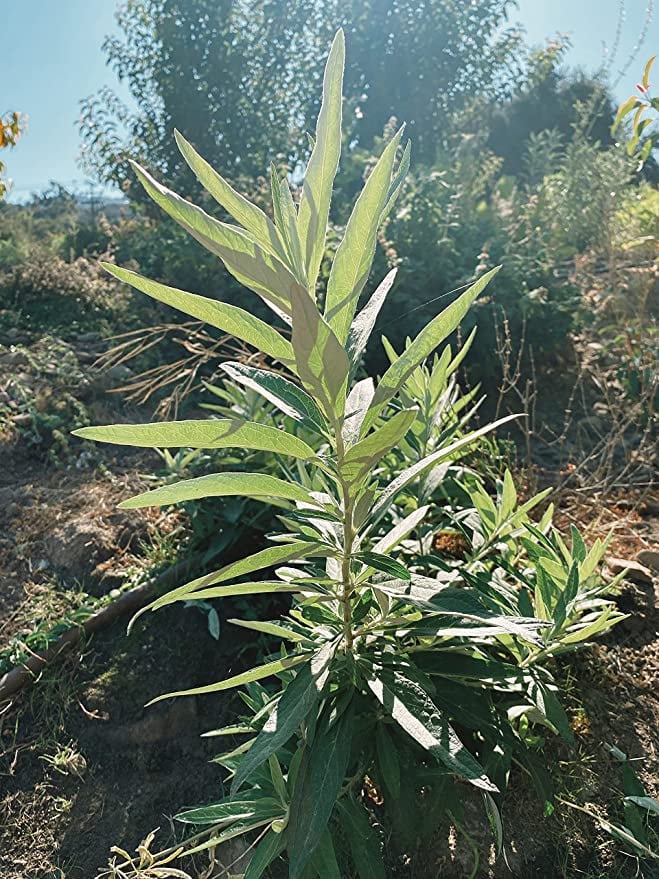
(348, 539)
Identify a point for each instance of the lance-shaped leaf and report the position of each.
(410, 473)
(321, 776)
(397, 182)
(254, 674)
(291, 399)
(400, 530)
(241, 209)
(364, 840)
(231, 810)
(246, 260)
(362, 325)
(296, 702)
(221, 433)
(259, 486)
(258, 561)
(432, 335)
(320, 360)
(270, 847)
(357, 403)
(364, 455)
(286, 219)
(413, 709)
(258, 587)
(354, 256)
(316, 194)
(225, 317)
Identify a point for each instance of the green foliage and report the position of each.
(642, 140)
(12, 126)
(397, 665)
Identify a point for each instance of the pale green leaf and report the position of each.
(432, 335)
(357, 403)
(246, 260)
(220, 433)
(362, 326)
(274, 629)
(410, 473)
(227, 318)
(397, 182)
(646, 72)
(354, 256)
(316, 194)
(254, 674)
(255, 485)
(364, 455)
(291, 399)
(321, 362)
(265, 558)
(286, 220)
(241, 209)
(401, 530)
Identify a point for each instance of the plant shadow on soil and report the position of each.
(141, 765)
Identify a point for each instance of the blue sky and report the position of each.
(52, 58)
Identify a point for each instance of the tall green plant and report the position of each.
(384, 672)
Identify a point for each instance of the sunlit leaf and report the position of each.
(323, 163)
(219, 433)
(255, 485)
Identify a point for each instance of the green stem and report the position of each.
(348, 540)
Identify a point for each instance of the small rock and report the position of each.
(649, 558)
(635, 570)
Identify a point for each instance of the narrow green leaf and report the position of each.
(246, 260)
(258, 587)
(286, 220)
(316, 194)
(265, 558)
(361, 458)
(291, 399)
(384, 563)
(411, 707)
(231, 810)
(299, 698)
(432, 335)
(321, 361)
(321, 776)
(398, 181)
(354, 256)
(646, 72)
(254, 674)
(401, 530)
(259, 486)
(362, 326)
(241, 209)
(270, 847)
(324, 858)
(274, 629)
(388, 762)
(220, 433)
(227, 318)
(386, 497)
(363, 839)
